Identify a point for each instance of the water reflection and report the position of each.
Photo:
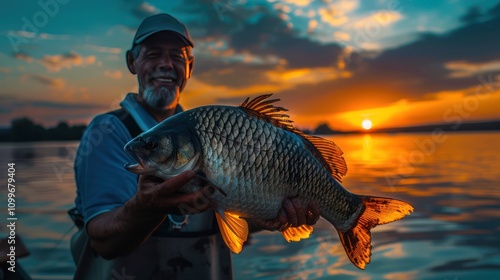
(367, 147)
(453, 233)
(24, 154)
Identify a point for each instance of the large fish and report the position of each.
(255, 158)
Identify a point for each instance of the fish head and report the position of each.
(164, 151)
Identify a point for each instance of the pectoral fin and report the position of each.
(297, 233)
(234, 230)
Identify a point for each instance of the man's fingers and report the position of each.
(299, 211)
(313, 213)
(171, 185)
(149, 180)
(290, 212)
(297, 215)
(194, 202)
(282, 220)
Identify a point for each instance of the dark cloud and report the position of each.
(257, 31)
(215, 71)
(423, 62)
(230, 100)
(495, 11)
(271, 35)
(473, 14)
(413, 71)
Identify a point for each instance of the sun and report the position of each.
(366, 124)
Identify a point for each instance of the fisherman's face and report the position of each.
(161, 70)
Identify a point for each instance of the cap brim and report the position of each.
(177, 34)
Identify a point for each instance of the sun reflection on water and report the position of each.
(453, 233)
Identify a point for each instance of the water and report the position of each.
(452, 181)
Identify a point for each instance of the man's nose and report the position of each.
(165, 63)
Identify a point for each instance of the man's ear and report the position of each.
(190, 71)
(130, 62)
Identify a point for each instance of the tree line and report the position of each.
(25, 130)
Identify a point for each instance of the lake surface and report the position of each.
(453, 181)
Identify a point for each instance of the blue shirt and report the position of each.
(101, 179)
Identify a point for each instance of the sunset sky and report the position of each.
(396, 63)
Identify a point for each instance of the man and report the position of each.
(131, 226)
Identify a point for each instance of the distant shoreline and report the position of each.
(30, 132)
(476, 126)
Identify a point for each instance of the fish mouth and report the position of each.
(142, 167)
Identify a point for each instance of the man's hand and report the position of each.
(292, 214)
(123, 229)
(161, 196)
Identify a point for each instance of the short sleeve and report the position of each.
(102, 182)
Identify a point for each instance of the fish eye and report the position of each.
(151, 142)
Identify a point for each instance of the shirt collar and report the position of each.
(143, 119)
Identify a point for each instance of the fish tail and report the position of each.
(378, 211)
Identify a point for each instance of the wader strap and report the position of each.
(134, 130)
(128, 121)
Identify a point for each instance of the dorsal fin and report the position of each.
(327, 152)
(264, 110)
(331, 154)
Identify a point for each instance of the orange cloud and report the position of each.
(300, 3)
(461, 69)
(105, 49)
(45, 80)
(312, 25)
(383, 18)
(113, 74)
(341, 36)
(294, 77)
(336, 13)
(54, 63)
(23, 56)
(282, 8)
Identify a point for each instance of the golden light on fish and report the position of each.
(366, 124)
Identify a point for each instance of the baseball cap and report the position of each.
(162, 22)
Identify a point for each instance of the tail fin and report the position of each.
(378, 211)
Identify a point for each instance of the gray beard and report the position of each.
(160, 98)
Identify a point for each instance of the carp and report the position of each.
(255, 158)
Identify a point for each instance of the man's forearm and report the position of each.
(121, 230)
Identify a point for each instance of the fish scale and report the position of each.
(279, 152)
(256, 159)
